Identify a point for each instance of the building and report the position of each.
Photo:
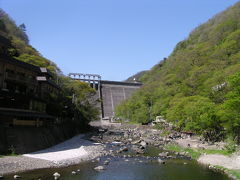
(24, 93)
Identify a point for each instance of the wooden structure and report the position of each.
(24, 92)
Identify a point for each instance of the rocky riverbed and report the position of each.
(110, 140)
(132, 138)
(125, 141)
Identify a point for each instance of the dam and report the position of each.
(110, 93)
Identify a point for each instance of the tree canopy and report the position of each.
(196, 87)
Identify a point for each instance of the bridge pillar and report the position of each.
(94, 83)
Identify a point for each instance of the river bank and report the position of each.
(70, 152)
(106, 140)
(115, 141)
(213, 155)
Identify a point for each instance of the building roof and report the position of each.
(22, 64)
(37, 69)
(46, 71)
(10, 60)
(41, 78)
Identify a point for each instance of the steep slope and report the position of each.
(189, 87)
(20, 47)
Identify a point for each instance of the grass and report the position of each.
(176, 148)
(132, 122)
(196, 153)
(12, 154)
(235, 173)
(158, 127)
(216, 151)
(165, 133)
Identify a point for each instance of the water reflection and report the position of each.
(135, 169)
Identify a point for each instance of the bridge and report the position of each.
(111, 93)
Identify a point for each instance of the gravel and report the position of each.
(20, 163)
(230, 162)
(72, 151)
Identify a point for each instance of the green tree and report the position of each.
(22, 27)
(84, 103)
(230, 111)
(197, 114)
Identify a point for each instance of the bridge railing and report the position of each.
(94, 80)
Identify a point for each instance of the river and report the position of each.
(144, 167)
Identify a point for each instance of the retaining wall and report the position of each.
(29, 139)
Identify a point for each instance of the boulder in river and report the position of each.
(123, 149)
(130, 140)
(74, 172)
(136, 142)
(164, 154)
(117, 143)
(138, 149)
(99, 168)
(106, 162)
(56, 175)
(143, 144)
(16, 176)
(161, 161)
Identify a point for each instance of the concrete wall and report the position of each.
(113, 93)
(1, 75)
(30, 139)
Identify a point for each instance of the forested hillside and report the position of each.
(197, 87)
(21, 49)
(136, 77)
(82, 109)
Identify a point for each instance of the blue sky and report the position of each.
(113, 38)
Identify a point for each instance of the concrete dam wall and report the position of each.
(113, 93)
